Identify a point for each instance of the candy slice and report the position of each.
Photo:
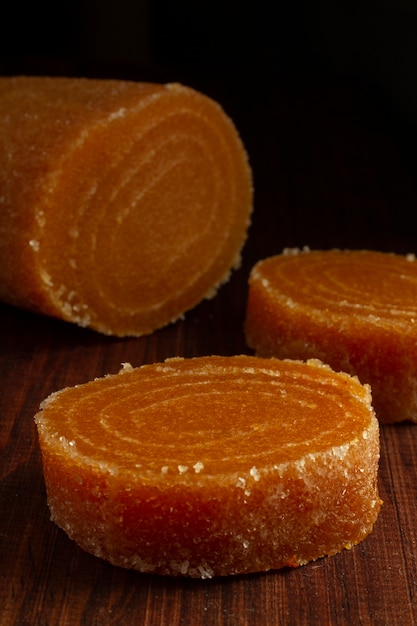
(122, 205)
(355, 310)
(214, 465)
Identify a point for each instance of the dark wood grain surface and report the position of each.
(332, 168)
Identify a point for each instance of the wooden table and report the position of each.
(330, 170)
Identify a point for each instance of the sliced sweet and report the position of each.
(355, 310)
(212, 466)
(122, 204)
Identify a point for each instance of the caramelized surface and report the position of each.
(356, 310)
(122, 205)
(212, 466)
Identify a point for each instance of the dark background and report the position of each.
(374, 41)
(310, 86)
(324, 96)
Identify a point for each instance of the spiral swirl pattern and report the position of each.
(129, 202)
(354, 309)
(217, 415)
(212, 466)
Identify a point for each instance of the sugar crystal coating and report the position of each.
(122, 204)
(355, 310)
(214, 465)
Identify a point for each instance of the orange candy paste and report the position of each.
(355, 310)
(214, 465)
(122, 204)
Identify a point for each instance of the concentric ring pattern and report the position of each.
(139, 200)
(206, 416)
(213, 465)
(379, 287)
(353, 309)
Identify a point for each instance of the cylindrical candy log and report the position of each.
(122, 204)
(354, 309)
(214, 465)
